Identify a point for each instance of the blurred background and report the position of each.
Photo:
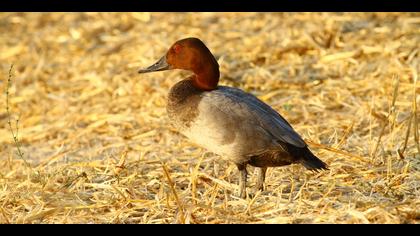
(95, 135)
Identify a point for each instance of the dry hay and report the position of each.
(97, 139)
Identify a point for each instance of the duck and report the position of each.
(228, 121)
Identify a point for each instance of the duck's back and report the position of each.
(234, 124)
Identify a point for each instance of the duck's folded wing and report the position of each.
(242, 105)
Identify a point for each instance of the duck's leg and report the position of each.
(261, 178)
(242, 179)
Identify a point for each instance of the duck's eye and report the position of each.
(177, 48)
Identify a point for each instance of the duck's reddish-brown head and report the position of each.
(193, 55)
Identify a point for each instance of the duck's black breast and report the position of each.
(182, 106)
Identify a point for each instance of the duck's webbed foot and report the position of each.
(261, 178)
(242, 179)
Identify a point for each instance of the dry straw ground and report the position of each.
(99, 147)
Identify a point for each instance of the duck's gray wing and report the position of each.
(232, 100)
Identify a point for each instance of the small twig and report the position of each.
(413, 119)
(318, 145)
(121, 164)
(71, 182)
(194, 176)
(414, 114)
(345, 136)
(391, 112)
(171, 184)
(407, 135)
(14, 135)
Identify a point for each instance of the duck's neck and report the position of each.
(207, 79)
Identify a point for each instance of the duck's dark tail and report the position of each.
(306, 158)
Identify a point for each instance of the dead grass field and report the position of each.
(97, 140)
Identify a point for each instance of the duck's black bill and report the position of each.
(158, 66)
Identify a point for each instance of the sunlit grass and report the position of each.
(100, 148)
